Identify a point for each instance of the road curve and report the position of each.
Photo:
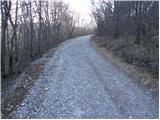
(78, 82)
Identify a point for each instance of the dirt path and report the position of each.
(79, 83)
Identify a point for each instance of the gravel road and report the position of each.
(78, 82)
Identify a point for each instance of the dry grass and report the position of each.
(30, 75)
(144, 76)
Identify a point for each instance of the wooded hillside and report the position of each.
(130, 29)
(30, 28)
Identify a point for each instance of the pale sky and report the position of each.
(83, 7)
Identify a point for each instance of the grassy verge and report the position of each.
(144, 76)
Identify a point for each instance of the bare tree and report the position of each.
(5, 13)
(32, 29)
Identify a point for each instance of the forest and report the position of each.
(130, 29)
(100, 63)
(30, 28)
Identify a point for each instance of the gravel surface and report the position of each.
(78, 82)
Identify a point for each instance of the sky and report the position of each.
(82, 7)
